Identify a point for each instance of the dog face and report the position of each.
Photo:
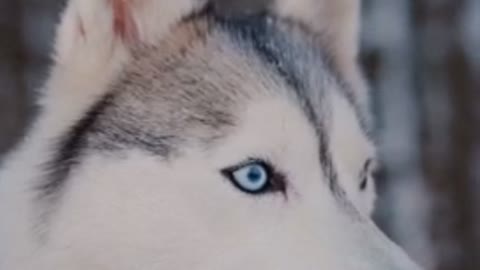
(228, 143)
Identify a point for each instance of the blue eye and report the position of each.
(251, 178)
(255, 177)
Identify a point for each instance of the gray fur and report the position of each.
(170, 97)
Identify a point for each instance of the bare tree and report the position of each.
(13, 101)
(26, 37)
(449, 98)
(388, 46)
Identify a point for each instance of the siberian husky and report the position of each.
(173, 136)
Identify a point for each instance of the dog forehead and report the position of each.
(196, 84)
(225, 61)
(206, 70)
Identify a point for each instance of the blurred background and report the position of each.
(422, 58)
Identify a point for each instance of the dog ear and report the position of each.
(337, 21)
(94, 41)
(93, 24)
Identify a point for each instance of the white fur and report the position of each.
(135, 211)
(169, 217)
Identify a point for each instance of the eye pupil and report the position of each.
(255, 174)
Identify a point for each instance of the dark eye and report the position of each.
(367, 174)
(255, 177)
(364, 183)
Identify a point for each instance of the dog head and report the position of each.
(188, 139)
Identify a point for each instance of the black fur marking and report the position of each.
(70, 150)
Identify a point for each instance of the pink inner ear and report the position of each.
(123, 22)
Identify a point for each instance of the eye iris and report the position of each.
(251, 178)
